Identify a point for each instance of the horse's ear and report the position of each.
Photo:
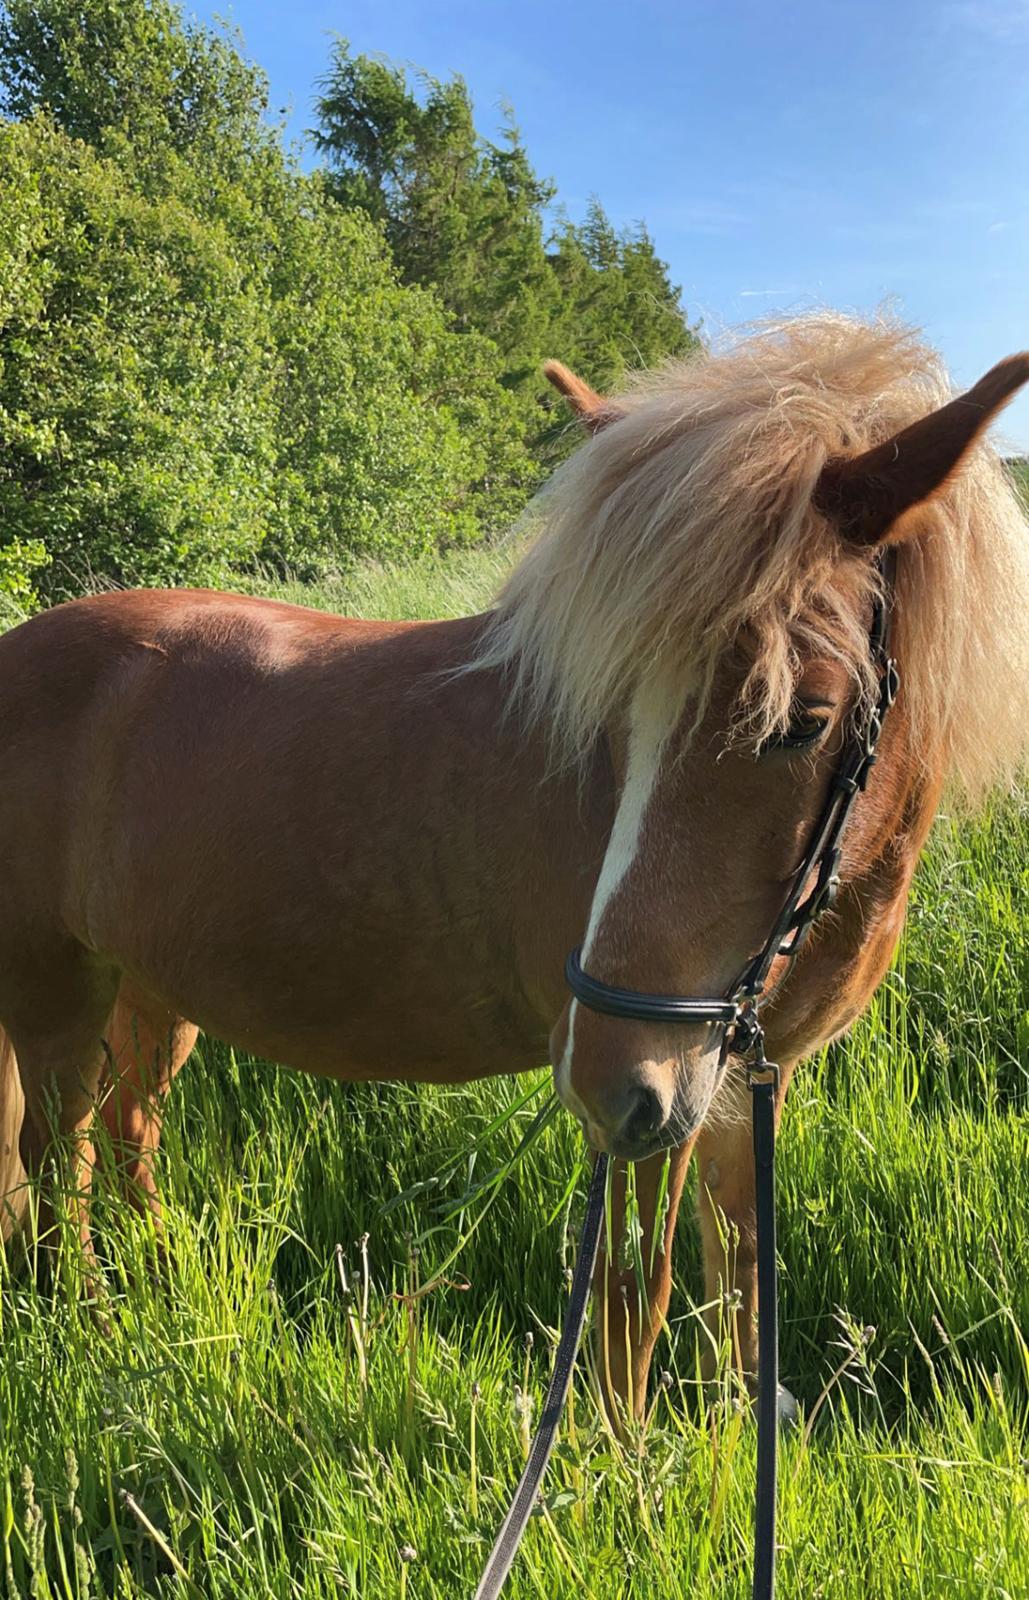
(592, 410)
(866, 496)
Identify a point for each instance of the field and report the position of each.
(244, 1429)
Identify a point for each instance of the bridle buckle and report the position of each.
(762, 1073)
(748, 1042)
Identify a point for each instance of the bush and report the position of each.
(133, 383)
(178, 395)
(210, 360)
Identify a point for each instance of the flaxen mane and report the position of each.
(689, 525)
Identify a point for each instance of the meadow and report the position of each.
(277, 1409)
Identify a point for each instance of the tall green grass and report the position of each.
(437, 586)
(243, 1427)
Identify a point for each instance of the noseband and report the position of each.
(738, 1013)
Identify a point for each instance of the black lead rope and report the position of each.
(506, 1544)
(738, 1014)
(764, 1079)
(764, 1082)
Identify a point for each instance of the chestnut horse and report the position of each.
(365, 848)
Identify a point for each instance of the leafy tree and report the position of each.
(204, 359)
(133, 384)
(209, 358)
(134, 73)
(469, 217)
(393, 433)
(461, 214)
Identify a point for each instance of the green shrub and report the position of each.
(178, 395)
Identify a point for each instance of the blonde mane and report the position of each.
(688, 526)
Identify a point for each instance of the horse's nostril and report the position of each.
(645, 1117)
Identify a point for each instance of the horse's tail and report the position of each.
(13, 1192)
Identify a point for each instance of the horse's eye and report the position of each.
(805, 728)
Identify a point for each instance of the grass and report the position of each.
(244, 1428)
(450, 586)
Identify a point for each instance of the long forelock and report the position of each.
(688, 527)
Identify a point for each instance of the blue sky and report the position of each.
(783, 155)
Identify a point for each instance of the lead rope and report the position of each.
(763, 1079)
(506, 1544)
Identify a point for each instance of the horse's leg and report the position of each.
(56, 1017)
(728, 1225)
(13, 1193)
(147, 1044)
(628, 1321)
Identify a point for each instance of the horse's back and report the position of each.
(111, 677)
(309, 835)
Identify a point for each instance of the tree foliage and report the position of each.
(209, 358)
(460, 213)
(615, 307)
(132, 72)
(470, 218)
(132, 392)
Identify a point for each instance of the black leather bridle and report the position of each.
(737, 1010)
(738, 1013)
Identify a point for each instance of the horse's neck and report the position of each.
(550, 831)
(512, 842)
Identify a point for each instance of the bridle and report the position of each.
(738, 1009)
(738, 1013)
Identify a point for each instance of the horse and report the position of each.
(363, 849)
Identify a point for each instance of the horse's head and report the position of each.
(725, 743)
